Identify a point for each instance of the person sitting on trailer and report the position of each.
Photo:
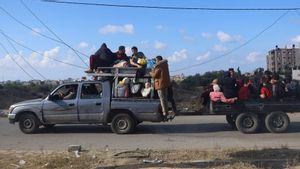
(265, 90)
(217, 96)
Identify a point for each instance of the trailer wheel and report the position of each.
(277, 122)
(231, 118)
(247, 122)
(122, 124)
(28, 123)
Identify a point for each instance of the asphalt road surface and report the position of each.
(184, 132)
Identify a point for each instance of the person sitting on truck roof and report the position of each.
(102, 58)
(217, 96)
(122, 60)
(136, 56)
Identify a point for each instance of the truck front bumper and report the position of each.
(11, 118)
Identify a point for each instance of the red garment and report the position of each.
(244, 93)
(121, 56)
(265, 91)
(219, 96)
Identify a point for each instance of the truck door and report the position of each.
(90, 104)
(61, 105)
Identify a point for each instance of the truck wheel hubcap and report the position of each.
(122, 124)
(278, 121)
(248, 122)
(27, 123)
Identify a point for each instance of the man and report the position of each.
(122, 60)
(161, 76)
(135, 56)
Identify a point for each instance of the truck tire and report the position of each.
(247, 122)
(231, 118)
(122, 124)
(28, 123)
(277, 122)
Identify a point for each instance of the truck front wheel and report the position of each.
(122, 124)
(277, 122)
(247, 122)
(28, 123)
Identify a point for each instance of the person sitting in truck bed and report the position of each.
(217, 96)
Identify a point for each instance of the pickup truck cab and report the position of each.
(85, 102)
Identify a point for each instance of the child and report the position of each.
(147, 91)
(216, 95)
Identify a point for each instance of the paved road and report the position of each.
(185, 132)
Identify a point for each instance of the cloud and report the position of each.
(252, 57)
(35, 31)
(206, 35)
(128, 28)
(204, 56)
(160, 28)
(219, 48)
(128, 51)
(188, 38)
(83, 45)
(159, 45)
(224, 37)
(296, 39)
(52, 53)
(178, 56)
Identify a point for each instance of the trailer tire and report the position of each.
(277, 122)
(122, 124)
(231, 118)
(28, 123)
(247, 122)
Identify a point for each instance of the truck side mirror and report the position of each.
(53, 97)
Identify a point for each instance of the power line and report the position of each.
(28, 48)
(23, 57)
(236, 48)
(15, 61)
(47, 27)
(169, 7)
(31, 29)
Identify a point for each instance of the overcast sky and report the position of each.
(184, 37)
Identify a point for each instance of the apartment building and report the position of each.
(283, 60)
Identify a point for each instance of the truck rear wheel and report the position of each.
(277, 122)
(122, 124)
(247, 122)
(28, 123)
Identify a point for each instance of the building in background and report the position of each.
(283, 60)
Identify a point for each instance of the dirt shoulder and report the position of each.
(240, 159)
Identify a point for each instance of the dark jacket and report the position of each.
(105, 55)
(229, 86)
(161, 75)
